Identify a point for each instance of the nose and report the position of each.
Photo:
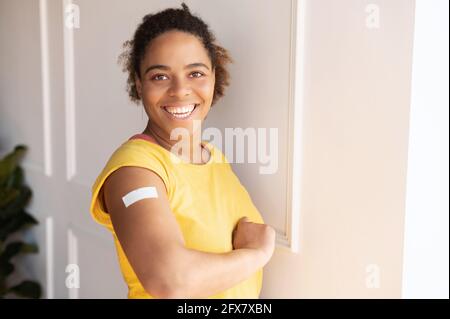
(179, 88)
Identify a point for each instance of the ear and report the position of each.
(138, 83)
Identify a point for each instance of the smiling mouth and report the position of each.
(180, 113)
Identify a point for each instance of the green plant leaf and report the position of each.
(14, 196)
(15, 179)
(16, 205)
(17, 247)
(6, 268)
(7, 195)
(15, 223)
(9, 162)
(27, 289)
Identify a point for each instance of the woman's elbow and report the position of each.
(170, 283)
(169, 288)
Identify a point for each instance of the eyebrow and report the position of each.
(167, 68)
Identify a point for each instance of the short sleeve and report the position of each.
(125, 156)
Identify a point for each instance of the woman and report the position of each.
(186, 228)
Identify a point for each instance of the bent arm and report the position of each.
(202, 274)
(154, 245)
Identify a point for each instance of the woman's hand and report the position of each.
(251, 235)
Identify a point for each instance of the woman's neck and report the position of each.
(193, 145)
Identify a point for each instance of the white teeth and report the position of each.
(180, 109)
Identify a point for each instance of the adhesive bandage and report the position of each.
(138, 194)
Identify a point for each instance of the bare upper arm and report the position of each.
(147, 229)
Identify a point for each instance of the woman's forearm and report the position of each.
(198, 274)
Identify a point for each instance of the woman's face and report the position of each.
(176, 75)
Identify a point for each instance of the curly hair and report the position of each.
(154, 25)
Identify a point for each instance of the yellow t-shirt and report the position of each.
(206, 199)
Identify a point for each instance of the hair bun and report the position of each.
(185, 7)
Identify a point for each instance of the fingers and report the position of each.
(244, 219)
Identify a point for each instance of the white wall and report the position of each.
(354, 157)
(426, 250)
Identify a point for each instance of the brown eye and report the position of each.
(157, 77)
(199, 74)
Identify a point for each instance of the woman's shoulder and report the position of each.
(135, 152)
(138, 148)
